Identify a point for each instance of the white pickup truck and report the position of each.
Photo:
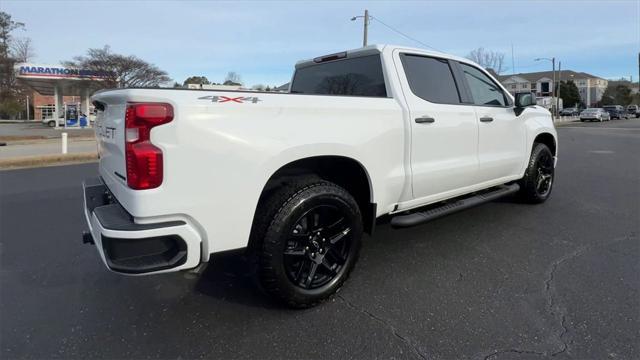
(296, 178)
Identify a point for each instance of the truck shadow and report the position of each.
(230, 277)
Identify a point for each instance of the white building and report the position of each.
(589, 86)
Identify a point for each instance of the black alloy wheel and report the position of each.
(544, 178)
(307, 236)
(537, 183)
(318, 246)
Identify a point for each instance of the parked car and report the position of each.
(295, 178)
(51, 122)
(594, 114)
(615, 111)
(633, 110)
(571, 111)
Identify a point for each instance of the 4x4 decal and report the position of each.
(223, 99)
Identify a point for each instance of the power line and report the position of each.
(403, 34)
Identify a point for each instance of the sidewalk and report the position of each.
(565, 119)
(46, 147)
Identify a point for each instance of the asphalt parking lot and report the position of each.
(501, 281)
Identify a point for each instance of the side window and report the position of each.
(431, 79)
(485, 92)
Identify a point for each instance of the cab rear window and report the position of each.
(361, 76)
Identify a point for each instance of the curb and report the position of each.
(47, 160)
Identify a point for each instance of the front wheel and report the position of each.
(536, 185)
(51, 123)
(310, 237)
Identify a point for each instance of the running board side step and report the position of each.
(419, 217)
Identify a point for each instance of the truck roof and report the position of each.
(378, 48)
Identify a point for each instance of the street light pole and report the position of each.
(366, 26)
(553, 89)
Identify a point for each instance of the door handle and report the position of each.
(486, 119)
(425, 119)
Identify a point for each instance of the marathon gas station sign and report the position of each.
(58, 72)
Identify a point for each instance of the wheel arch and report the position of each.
(344, 171)
(547, 139)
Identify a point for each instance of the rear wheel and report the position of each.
(51, 123)
(309, 238)
(536, 185)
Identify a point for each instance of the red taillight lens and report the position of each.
(144, 160)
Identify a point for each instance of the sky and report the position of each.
(262, 40)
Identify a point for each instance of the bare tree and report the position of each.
(488, 59)
(22, 49)
(6, 27)
(11, 91)
(232, 78)
(120, 70)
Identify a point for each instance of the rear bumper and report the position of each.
(133, 248)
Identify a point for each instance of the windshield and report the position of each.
(361, 76)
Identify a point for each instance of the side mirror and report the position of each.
(525, 99)
(522, 101)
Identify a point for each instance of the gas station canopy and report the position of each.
(60, 81)
(46, 78)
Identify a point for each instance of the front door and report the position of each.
(502, 136)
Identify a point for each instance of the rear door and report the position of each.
(502, 136)
(444, 130)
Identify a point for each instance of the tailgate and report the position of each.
(110, 126)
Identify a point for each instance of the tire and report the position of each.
(537, 183)
(51, 123)
(307, 240)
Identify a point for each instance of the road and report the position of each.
(501, 281)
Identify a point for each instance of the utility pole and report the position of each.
(366, 26)
(558, 94)
(553, 92)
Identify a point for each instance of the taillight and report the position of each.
(144, 160)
